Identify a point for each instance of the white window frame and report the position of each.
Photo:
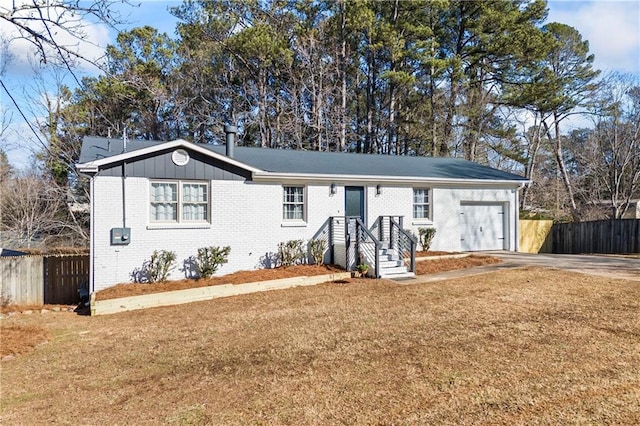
(303, 203)
(180, 202)
(426, 204)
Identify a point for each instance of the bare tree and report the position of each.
(44, 23)
(30, 209)
(610, 161)
(55, 29)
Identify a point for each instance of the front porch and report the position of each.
(388, 249)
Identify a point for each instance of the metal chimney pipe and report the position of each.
(230, 132)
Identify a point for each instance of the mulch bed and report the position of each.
(433, 266)
(240, 277)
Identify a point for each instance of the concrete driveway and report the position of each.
(613, 266)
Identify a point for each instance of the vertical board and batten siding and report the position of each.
(603, 236)
(161, 167)
(38, 280)
(63, 276)
(22, 280)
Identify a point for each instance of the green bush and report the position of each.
(290, 252)
(363, 268)
(157, 269)
(317, 249)
(209, 260)
(426, 237)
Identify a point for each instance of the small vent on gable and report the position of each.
(180, 157)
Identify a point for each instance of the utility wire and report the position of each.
(44, 145)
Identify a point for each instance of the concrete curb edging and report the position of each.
(445, 256)
(178, 297)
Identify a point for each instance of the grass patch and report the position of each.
(516, 346)
(20, 339)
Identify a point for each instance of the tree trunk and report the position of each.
(531, 163)
(559, 157)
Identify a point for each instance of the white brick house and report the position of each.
(181, 196)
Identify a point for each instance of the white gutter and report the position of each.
(262, 176)
(88, 168)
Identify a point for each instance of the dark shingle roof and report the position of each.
(94, 148)
(322, 163)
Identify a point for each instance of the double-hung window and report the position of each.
(179, 201)
(293, 203)
(421, 204)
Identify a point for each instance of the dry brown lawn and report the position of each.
(523, 346)
(19, 339)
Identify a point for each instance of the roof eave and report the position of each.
(94, 166)
(87, 168)
(310, 177)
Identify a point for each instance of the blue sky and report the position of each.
(611, 27)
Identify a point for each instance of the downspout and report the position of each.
(92, 233)
(124, 178)
(517, 217)
(124, 195)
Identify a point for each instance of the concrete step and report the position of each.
(393, 276)
(393, 270)
(388, 252)
(390, 263)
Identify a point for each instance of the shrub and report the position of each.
(426, 237)
(363, 268)
(209, 260)
(317, 249)
(290, 252)
(157, 269)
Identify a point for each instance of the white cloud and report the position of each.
(87, 39)
(611, 27)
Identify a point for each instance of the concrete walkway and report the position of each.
(622, 267)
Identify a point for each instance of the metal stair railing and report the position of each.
(326, 234)
(362, 245)
(383, 229)
(404, 243)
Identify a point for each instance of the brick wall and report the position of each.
(248, 217)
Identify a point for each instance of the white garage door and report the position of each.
(482, 227)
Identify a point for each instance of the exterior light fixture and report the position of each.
(332, 189)
(378, 189)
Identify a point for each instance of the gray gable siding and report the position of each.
(160, 166)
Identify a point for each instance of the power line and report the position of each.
(44, 145)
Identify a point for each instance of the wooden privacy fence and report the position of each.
(37, 280)
(602, 236)
(22, 280)
(63, 275)
(534, 236)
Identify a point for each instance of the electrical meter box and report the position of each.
(120, 236)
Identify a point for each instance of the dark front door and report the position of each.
(354, 201)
